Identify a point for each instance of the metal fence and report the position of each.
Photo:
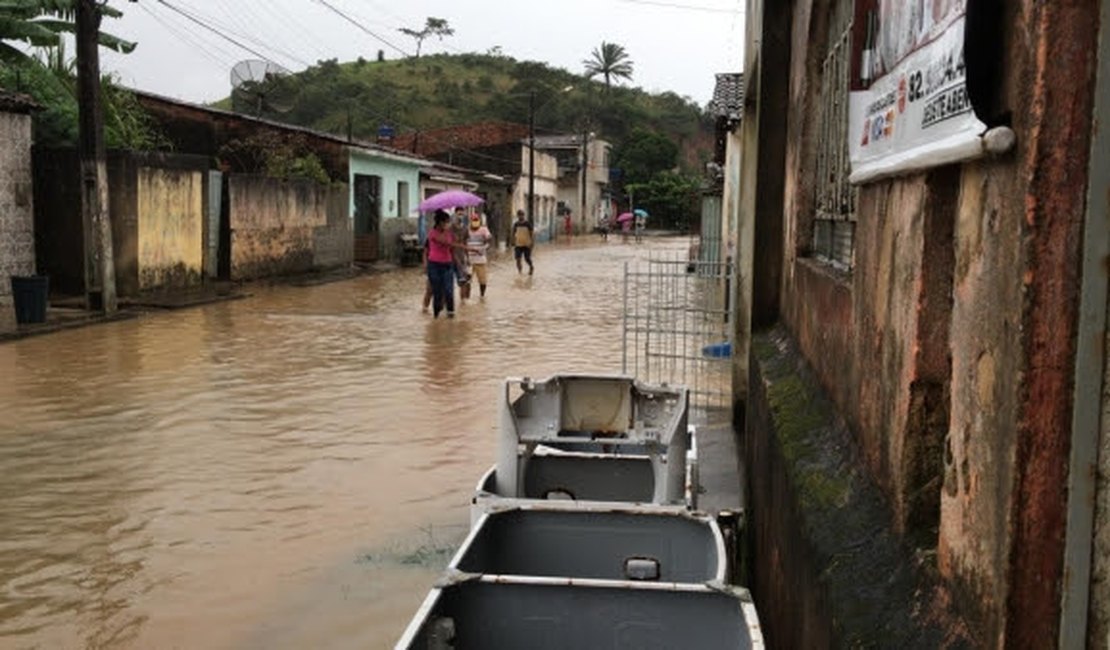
(678, 327)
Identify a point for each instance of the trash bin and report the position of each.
(29, 293)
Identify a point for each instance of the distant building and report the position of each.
(719, 208)
(501, 148)
(583, 173)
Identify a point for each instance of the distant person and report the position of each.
(441, 264)
(603, 226)
(568, 223)
(462, 261)
(477, 247)
(523, 240)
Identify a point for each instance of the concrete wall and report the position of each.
(157, 207)
(171, 221)
(948, 349)
(281, 227)
(1099, 627)
(17, 242)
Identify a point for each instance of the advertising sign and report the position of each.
(909, 107)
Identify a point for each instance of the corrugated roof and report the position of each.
(728, 96)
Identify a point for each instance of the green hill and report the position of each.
(443, 90)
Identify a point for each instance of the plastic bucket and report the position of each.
(30, 293)
(718, 350)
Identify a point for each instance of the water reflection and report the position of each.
(285, 470)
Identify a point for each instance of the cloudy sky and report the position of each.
(675, 46)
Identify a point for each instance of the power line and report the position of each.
(201, 46)
(671, 5)
(247, 37)
(358, 25)
(216, 31)
(288, 18)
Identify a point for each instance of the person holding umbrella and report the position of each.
(441, 264)
(641, 216)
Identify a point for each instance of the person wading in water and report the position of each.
(522, 241)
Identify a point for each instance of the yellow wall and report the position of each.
(171, 217)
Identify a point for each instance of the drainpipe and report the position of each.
(1090, 356)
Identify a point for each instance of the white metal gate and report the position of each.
(678, 326)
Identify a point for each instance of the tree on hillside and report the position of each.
(610, 61)
(41, 23)
(437, 27)
(644, 154)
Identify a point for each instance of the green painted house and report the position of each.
(384, 195)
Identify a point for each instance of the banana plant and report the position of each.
(41, 23)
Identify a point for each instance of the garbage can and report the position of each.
(29, 293)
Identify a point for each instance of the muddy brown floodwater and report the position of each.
(289, 470)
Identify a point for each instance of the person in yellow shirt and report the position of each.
(523, 241)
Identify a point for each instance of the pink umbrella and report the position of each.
(625, 216)
(449, 199)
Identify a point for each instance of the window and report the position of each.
(834, 228)
(402, 199)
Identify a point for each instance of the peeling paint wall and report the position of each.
(277, 225)
(949, 347)
(1099, 624)
(17, 241)
(170, 227)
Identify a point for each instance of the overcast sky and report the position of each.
(676, 46)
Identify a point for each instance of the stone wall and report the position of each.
(17, 242)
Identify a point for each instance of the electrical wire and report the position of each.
(671, 5)
(286, 17)
(198, 44)
(216, 31)
(357, 24)
(247, 37)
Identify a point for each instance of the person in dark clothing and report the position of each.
(523, 240)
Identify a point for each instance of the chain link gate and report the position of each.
(678, 327)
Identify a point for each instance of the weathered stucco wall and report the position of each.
(170, 227)
(865, 331)
(17, 239)
(948, 348)
(1099, 625)
(276, 225)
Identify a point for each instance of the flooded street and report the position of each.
(288, 470)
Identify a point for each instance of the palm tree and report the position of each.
(610, 61)
(40, 23)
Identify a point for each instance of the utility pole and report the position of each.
(100, 275)
(532, 157)
(585, 174)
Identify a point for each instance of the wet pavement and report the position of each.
(288, 470)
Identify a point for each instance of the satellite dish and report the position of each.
(258, 86)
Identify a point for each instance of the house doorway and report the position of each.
(368, 202)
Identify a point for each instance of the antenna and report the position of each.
(258, 86)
